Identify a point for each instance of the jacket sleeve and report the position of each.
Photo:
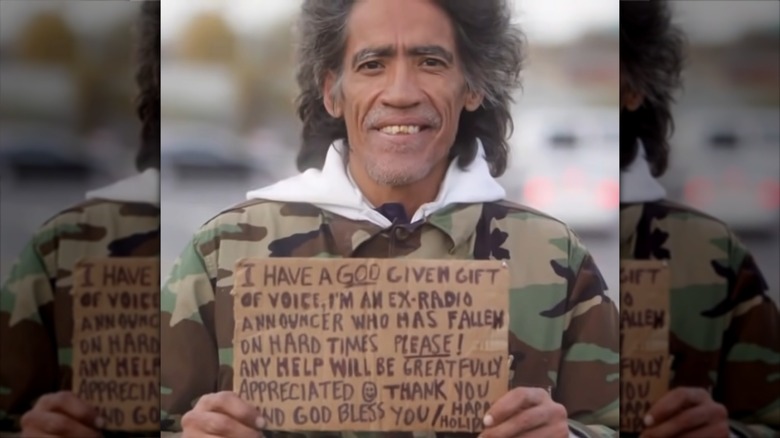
(748, 381)
(29, 366)
(588, 381)
(188, 346)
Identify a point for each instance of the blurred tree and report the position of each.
(273, 78)
(115, 61)
(753, 64)
(208, 38)
(591, 64)
(47, 40)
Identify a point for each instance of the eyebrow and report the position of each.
(389, 51)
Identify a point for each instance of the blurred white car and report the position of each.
(730, 167)
(39, 115)
(565, 163)
(202, 151)
(44, 152)
(200, 137)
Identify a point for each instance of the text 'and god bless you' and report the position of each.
(116, 340)
(371, 344)
(644, 339)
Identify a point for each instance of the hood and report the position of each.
(143, 187)
(332, 189)
(637, 184)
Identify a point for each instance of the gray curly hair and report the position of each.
(492, 51)
(652, 57)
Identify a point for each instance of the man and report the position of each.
(404, 105)
(36, 326)
(725, 330)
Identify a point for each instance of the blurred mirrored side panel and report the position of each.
(79, 218)
(700, 216)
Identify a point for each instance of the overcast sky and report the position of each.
(85, 17)
(715, 20)
(544, 20)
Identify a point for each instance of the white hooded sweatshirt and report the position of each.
(332, 189)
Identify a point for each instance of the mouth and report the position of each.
(402, 129)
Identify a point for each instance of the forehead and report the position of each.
(400, 23)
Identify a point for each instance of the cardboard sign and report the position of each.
(116, 340)
(371, 344)
(644, 339)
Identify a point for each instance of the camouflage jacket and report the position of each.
(724, 329)
(36, 320)
(563, 328)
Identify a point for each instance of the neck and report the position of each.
(411, 196)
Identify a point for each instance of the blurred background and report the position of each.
(229, 123)
(726, 148)
(67, 120)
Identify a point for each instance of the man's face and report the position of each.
(402, 89)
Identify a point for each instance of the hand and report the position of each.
(223, 415)
(686, 412)
(526, 412)
(61, 414)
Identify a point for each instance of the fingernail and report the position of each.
(488, 420)
(648, 420)
(100, 422)
(260, 422)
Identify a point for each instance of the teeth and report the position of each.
(401, 129)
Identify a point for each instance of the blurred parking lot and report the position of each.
(67, 116)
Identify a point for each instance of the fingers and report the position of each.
(675, 401)
(222, 414)
(693, 421)
(228, 403)
(66, 403)
(547, 417)
(39, 423)
(205, 424)
(513, 402)
(61, 414)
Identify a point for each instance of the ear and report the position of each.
(333, 107)
(473, 100)
(631, 100)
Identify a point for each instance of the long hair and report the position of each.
(492, 52)
(651, 62)
(147, 78)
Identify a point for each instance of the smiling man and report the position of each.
(405, 111)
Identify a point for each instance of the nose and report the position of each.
(401, 89)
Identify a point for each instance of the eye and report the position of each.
(433, 62)
(370, 65)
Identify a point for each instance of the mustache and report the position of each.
(426, 115)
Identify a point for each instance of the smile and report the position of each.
(401, 129)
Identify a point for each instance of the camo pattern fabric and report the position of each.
(724, 328)
(563, 327)
(36, 314)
